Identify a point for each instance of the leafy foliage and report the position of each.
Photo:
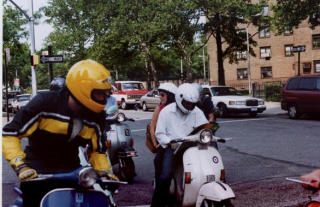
(224, 20)
(289, 14)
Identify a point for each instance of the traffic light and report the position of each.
(34, 59)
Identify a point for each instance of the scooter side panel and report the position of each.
(67, 197)
(200, 163)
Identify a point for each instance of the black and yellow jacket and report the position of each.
(47, 123)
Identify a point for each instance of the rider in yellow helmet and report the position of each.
(49, 120)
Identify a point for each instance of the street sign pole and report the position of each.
(6, 79)
(299, 49)
(50, 64)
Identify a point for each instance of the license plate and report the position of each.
(254, 109)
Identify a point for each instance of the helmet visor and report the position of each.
(188, 105)
(99, 96)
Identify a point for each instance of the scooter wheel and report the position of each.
(127, 172)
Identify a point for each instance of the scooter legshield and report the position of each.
(214, 191)
(69, 197)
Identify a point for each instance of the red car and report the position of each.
(128, 93)
(301, 94)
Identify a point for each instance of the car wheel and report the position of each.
(123, 104)
(293, 112)
(222, 110)
(144, 107)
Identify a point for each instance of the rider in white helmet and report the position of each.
(175, 121)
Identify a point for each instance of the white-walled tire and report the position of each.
(123, 104)
(293, 112)
(144, 107)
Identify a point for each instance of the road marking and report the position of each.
(138, 130)
(259, 119)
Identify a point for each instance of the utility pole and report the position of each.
(248, 57)
(31, 27)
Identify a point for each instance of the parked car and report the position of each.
(150, 100)
(301, 95)
(228, 100)
(11, 97)
(128, 93)
(20, 102)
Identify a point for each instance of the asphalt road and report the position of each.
(263, 151)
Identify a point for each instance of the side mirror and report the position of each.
(112, 109)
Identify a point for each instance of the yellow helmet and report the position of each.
(87, 78)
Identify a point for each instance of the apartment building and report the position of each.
(274, 60)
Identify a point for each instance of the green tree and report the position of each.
(289, 14)
(183, 29)
(224, 21)
(13, 33)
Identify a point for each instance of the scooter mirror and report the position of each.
(112, 109)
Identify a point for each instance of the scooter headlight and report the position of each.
(120, 117)
(87, 177)
(205, 136)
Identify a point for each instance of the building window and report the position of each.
(266, 72)
(242, 73)
(264, 32)
(265, 52)
(316, 64)
(241, 55)
(316, 41)
(288, 31)
(306, 67)
(288, 50)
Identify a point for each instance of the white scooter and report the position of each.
(199, 173)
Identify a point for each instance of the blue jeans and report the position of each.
(163, 169)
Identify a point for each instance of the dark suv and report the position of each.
(301, 95)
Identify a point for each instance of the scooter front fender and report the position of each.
(214, 191)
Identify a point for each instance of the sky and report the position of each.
(42, 30)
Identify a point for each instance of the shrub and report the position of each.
(273, 92)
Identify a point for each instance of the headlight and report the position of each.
(205, 136)
(87, 177)
(130, 97)
(120, 117)
(261, 102)
(237, 102)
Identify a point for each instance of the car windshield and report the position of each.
(23, 98)
(224, 91)
(132, 86)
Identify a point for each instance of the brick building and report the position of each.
(274, 59)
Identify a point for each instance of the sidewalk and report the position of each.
(274, 108)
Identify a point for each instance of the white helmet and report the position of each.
(186, 97)
(168, 87)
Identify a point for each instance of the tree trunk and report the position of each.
(187, 60)
(148, 74)
(221, 77)
(150, 60)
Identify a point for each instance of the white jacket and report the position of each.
(173, 124)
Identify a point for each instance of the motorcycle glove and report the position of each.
(23, 171)
(111, 176)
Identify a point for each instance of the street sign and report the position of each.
(299, 48)
(51, 59)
